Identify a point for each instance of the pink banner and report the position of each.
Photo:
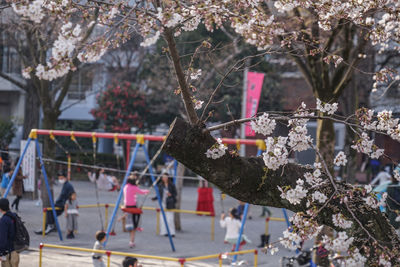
(254, 86)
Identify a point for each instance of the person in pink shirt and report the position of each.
(130, 195)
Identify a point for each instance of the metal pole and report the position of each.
(246, 208)
(266, 226)
(128, 151)
(158, 198)
(121, 192)
(53, 209)
(158, 223)
(244, 104)
(175, 170)
(255, 258)
(17, 168)
(40, 254)
(212, 228)
(44, 222)
(286, 217)
(106, 215)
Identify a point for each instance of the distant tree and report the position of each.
(7, 133)
(120, 107)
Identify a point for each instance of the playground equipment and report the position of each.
(157, 210)
(180, 261)
(139, 144)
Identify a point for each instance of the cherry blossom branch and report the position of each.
(281, 118)
(180, 75)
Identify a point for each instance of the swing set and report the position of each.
(140, 140)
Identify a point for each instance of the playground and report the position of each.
(200, 243)
(194, 240)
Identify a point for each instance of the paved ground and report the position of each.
(194, 240)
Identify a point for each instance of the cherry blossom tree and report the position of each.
(46, 46)
(306, 31)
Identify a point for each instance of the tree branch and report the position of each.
(13, 81)
(180, 76)
(248, 180)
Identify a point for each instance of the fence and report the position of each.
(106, 206)
(268, 219)
(180, 261)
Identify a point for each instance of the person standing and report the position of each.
(66, 191)
(71, 213)
(18, 189)
(168, 196)
(130, 198)
(8, 256)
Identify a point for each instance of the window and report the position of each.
(81, 83)
(11, 62)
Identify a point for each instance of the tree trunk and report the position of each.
(32, 111)
(326, 146)
(49, 151)
(179, 186)
(247, 179)
(351, 104)
(326, 141)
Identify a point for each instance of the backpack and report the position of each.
(21, 240)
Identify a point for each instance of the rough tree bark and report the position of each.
(49, 151)
(32, 111)
(247, 179)
(179, 186)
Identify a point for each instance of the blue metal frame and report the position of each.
(17, 168)
(246, 208)
(53, 209)
(159, 199)
(175, 170)
(45, 179)
(121, 194)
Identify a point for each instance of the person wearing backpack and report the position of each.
(8, 255)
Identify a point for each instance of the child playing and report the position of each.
(232, 225)
(71, 213)
(130, 194)
(97, 257)
(5, 180)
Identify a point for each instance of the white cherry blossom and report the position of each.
(320, 197)
(340, 159)
(340, 221)
(276, 153)
(326, 108)
(263, 125)
(217, 150)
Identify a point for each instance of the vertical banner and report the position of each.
(254, 86)
(29, 166)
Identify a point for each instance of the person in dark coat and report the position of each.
(8, 256)
(66, 191)
(168, 195)
(18, 189)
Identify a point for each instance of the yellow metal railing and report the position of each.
(181, 261)
(272, 219)
(106, 206)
